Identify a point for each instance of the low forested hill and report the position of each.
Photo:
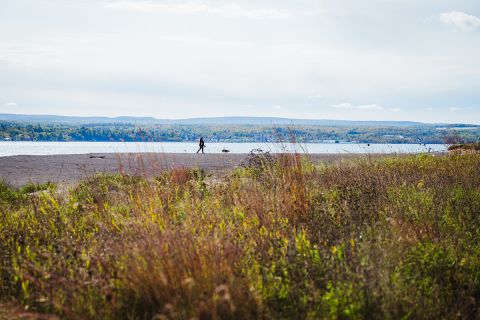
(203, 121)
(151, 132)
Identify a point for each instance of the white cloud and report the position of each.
(395, 109)
(277, 107)
(11, 104)
(430, 109)
(318, 96)
(344, 105)
(199, 8)
(454, 109)
(347, 105)
(370, 107)
(460, 20)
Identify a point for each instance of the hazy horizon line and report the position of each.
(227, 116)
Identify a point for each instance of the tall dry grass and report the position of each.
(279, 238)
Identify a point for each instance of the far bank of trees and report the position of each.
(15, 131)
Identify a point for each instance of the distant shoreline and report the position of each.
(239, 131)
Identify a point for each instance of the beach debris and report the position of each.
(257, 158)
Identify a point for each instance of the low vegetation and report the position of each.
(275, 239)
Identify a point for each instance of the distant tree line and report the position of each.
(16, 131)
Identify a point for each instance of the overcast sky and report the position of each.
(329, 59)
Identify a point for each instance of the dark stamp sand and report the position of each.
(67, 169)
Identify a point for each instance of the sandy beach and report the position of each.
(68, 169)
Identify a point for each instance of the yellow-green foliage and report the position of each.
(283, 239)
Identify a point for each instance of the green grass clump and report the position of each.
(16, 196)
(280, 239)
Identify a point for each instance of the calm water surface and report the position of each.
(8, 148)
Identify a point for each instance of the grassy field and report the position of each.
(280, 238)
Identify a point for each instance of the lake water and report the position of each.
(8, 148)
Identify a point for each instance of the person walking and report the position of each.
(201, 144)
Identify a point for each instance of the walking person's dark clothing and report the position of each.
(201, 144)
